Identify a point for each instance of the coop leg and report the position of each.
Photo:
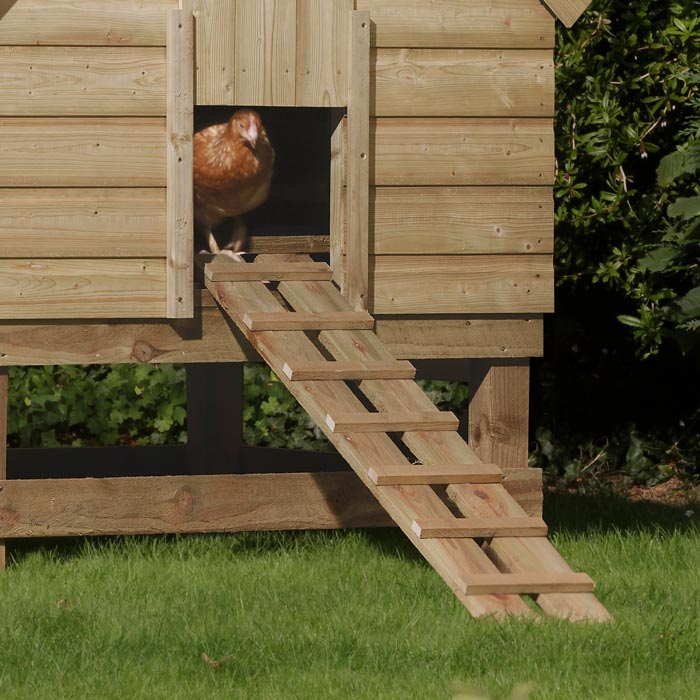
(499, 410)
(3, 444)
(214, 417)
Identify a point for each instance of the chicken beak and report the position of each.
(251, 135)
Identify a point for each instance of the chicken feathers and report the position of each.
(233, 166)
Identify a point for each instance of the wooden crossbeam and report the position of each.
(391, 422)
(480, 527)
(319, 371)
(500, 584)
(272, 272)
(294, 321)
(398, 474)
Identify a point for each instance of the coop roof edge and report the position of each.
(568, 11)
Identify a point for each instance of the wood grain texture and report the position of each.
(322, 52)
(461, 151)
(126, 288)
(460, 23)
(397, 421)
(265, 52)
(215, 51)
(338, 201)
(568, 11)
(90, 152)
(333, 371)
(435, 284)
(3, 445)
(288, 244)
(462, 83)
(82, 81)
(481, 527)
(285, 321)
(459, 220)
(529, 583)
(75, 223)
(84, 22)
(232, 272)
(398, 474)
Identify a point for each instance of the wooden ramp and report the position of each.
(452, 507)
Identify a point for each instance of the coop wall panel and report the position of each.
(463, 83)
(82, 81)
(436, 284)
(461, 152)
(82, 223)
(460, 23)
(44, 288)
(39, 152)
(215, 59)
(84, 22)
(460, 220)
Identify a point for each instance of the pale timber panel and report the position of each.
(84, 81)
(462, 284)
(322, 52)
(442, 220)
(215, 51)
(82, 223)
(468, 83)
(84, 22)
(568, 11)
(265, 52)
(460, 23)
(92, 152)
(415, 151)
(82, 288)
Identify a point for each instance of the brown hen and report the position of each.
(233, 164)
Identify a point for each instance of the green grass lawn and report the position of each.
(344, 615)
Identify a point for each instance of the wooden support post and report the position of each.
(499, 410)
(214, 417)
(358, 161)
(3, 444)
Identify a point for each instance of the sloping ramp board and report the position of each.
(492, 553)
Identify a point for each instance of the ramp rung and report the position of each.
(320, 371)
(480, 527)
(298, 321)
(391, 422)
(272, 272)
(398, 474)
(498, 584)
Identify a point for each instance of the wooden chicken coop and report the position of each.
(414, 144)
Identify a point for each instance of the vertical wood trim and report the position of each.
(180, 226)
(3, 444)
(338, 202)
(215, 51)
(358, 161)
(499, 411)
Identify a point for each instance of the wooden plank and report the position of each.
(568, 11)
(288, 244)
(285, 321)
(84, 23)
(3, 446)
(338, 201)
(120, 288)
(397, 422)
(462, 83)
(415, 151)
(357, 160)
(180, 196)
(265, 52)
(242, 272)
(480, 336)
(480, 527)
(322, 52)
(429, 284)
(82, 81)
(460, 220)
(181, 504)
(499, 410)
(82, 223)
(393, 474)
(90, 152)
(529, 583)
(460, 23)
(215, 57)
(343, 371)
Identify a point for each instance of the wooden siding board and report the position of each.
(454, 284)
(82, 288)
(462, 83)
(454, 151)
(460, 23)
(90, 152)
(568, 11)
(82, 223)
